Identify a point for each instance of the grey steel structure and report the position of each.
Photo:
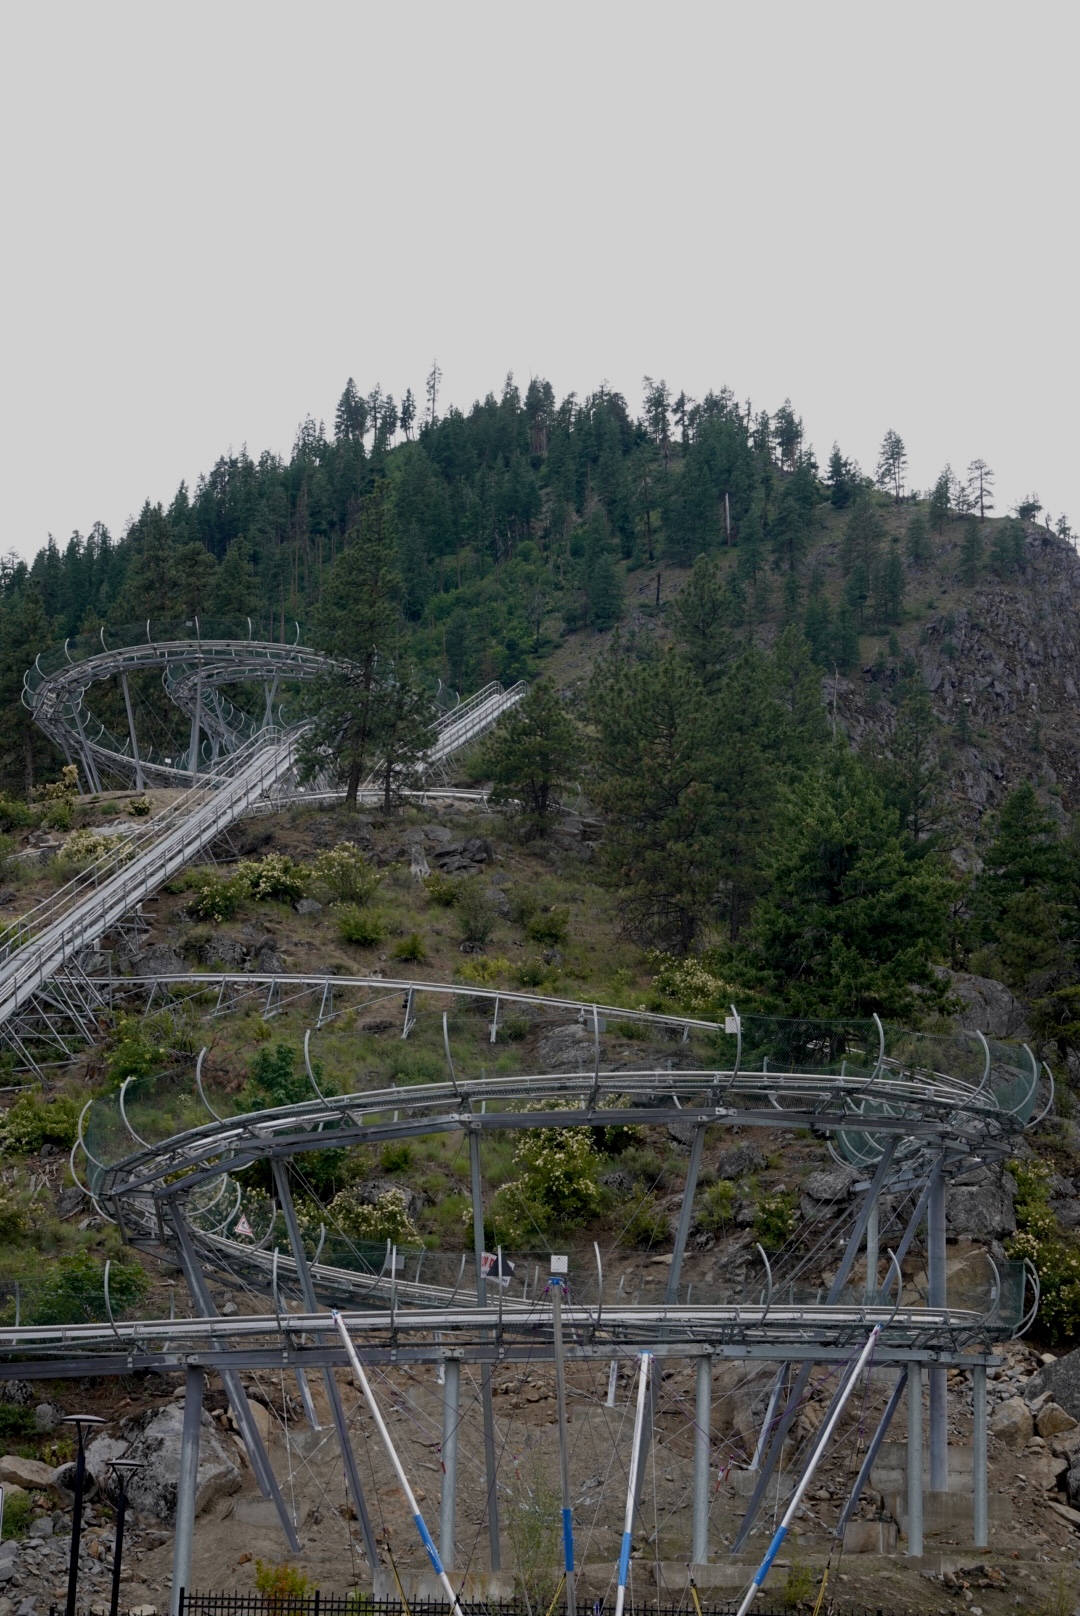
(177, 1191)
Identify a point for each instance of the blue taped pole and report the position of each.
(804, 1481)
(631, 1482)
(399, 1470)
(568, 1542)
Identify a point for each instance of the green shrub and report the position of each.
(388, 1219)
(484, 970)
(19, 1511)
(346, 874)
(556, 1186)
(66, 789)
(360, 926)
(550, 926)
(17, 1421)
(280, 1584)
(514, 1029)
(1055, 1255)
(139, 807)
(273, 879)
(647, 1225)
(72, 1290)
(395, 1156)
(275, 1080)
(441, 889)
(16, 815)
(58, 816)
(32, 1122)
(215, 898)
(798, 1589)
(140, 1046)
(410, 949)
(475, 915)
(110, 809)
(691, 986)
(717, 1207)
(775, 1217)
(531, 973)
(82, 849)
(16, 1219)
(523, 904)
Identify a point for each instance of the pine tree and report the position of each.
(401, 730)
(350, 417)
(1007, 547)
(892, 465)
(888, 587)
(862, 536)
(408, 413)
(533, 751)
(817, 627)
(971, 554)
(431, 391)
(911, 776)
(846, 639)
(850, 925)
(939, 507)
(980, 486)
(698, 619)
(918, 538)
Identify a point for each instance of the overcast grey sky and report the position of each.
(213, 214)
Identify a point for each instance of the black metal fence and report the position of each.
(360, 1604)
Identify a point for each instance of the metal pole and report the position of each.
(196, 727)
(978, 1456)
(686, 1212)
(333, 1391)
(872, 1226)
(139, 783)
(702, 1447)
(403, 1480)
(770, 1414)
(802, 1379)
(564, 1458)
(485, 1368)
(76, 1527)
(118, 1549)
(631, 1482)
(451, 1416)
(804, 1480)
(871, 1454)
(186, 1487)
(914, 1461)
(939, 1378)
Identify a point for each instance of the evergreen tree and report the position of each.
(408, 413)
(401, 732)
(939, 507)
(862, 536)
(850, 925)
(24, 751)
(817, 628)
(235, 592)
(698, 619)
(888, 590)
(910, 776)
(971, 554)
(918, 538)
(892, 465)
(846, 640)
(1007, 547)
(980, 486)
(534, 749)
(350, 417)
(602, 584)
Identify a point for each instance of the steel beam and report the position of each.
(980, 1521)
(333, 1391)
(448, 1500)
(485, 1368)
(915, 1461)
(939, 1380)
(139, 783)
(187, 1483)
(702, 1449)
(871, 1454)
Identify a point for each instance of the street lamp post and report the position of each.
(123, 1470)
(81, 1422)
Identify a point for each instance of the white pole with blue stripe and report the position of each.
(804, 1480)
(631, 1485)
(403, 1480)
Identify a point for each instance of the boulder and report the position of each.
(984, 1211)
(566, 1049)
(1062, 1380)
(740, 1161)
(1012, 1423)
(1052, 1420)
(161, 960)
(830, 1184)
(309, 906)
(1047, 1472)
(99, 1454)
(30, 1474)
(987, 1006)
(372, 1190)
(157, 1445)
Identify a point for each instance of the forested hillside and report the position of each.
(724, 617)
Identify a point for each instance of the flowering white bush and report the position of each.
(346, 874)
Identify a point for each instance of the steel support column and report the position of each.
(686, 1213)
(702, 1448)
(871, 1453)
(234, 1387)
(485, 1368)
(139, 783)
(448, 1502)
(186, 1487)
(333, 1391)
(802, 1380)
(914, 1461)
(939, 1375)
(980, 1522)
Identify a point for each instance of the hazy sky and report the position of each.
(213, 214)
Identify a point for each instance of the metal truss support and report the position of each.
(234, 1389)
(187, 1483)
(485, 1368)
(773, 1404)
(871, 1454)
(448, 1501)
(915, 1461)
(980, 1521)
(196, 733)
(702, 1446)
(333, 1393)
(802, 1380)
(939, 1375)
(134, 748)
